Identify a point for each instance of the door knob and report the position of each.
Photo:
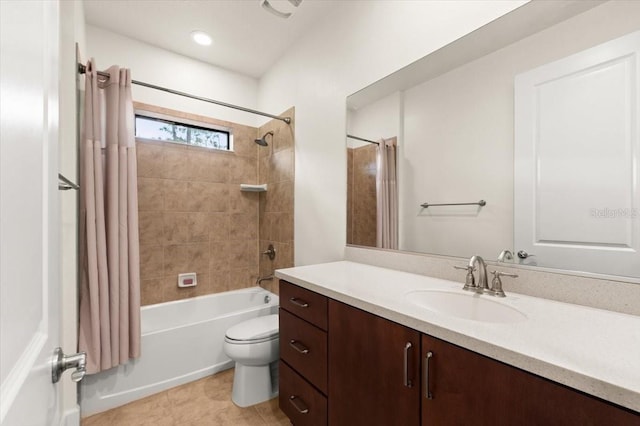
(62, 362)
(522, 254)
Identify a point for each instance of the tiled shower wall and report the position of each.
(361, 196)
(276, 168)
(193, 216)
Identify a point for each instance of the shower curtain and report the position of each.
(109, 329)
(387, 195)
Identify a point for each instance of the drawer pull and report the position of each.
(428, 393)
(299, 302)
(298, 404)
(299, 347)
(407, 382)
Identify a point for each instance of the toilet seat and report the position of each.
(256, 330)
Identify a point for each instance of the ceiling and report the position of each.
(247, 39)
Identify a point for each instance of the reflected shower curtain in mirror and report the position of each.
(387, 195)
(109, 329)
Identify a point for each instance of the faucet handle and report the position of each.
(469, 281)
(496, 283)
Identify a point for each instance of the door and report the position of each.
(373, 369)
(577, 153)
(29, 226)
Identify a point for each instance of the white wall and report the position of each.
(458, 144)
(72, 31)
(359, 43)
(161, 67)
(380, 119)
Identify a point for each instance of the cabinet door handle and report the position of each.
(298, 404)
(428, 393)
(299, 347)
(299, 302)
(407, 382)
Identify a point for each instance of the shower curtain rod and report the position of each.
(82, 69)
(362, 139)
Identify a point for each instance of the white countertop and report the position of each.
(593, 350)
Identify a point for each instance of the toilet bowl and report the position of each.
(254, 346)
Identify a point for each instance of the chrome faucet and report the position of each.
(482, 284)
(505, 255)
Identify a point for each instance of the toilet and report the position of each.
(254, 346)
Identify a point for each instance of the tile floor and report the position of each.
(201, 403)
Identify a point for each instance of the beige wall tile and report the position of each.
(149, 157)
(243, 226)
(176, 195)
(151, 227)
(282, 166)
(215, 196)
(151, 291)
(218, 167)
(242, 201)
(183, 258)
(151, 194)
(242, 278)
(176, 163)
(198, 227)
(243, 254)
(176, 227)
(219, 256)
(151, 261)
(264, 169)
(175, 260)
(243, 170)
(219, 226)
(219, 280)
(243, 141)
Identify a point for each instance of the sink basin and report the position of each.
(469, 306)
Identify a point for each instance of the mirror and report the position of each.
(526, 128)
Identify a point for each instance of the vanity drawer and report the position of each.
(303, 404)
(306, 304)
(304, 347)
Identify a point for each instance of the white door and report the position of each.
(29, 300)
(577, 153)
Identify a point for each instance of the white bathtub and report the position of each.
(182, 341)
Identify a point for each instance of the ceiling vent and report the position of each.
(280, 8)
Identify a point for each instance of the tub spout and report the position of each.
(260, 279)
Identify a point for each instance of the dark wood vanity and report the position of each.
(341, 366)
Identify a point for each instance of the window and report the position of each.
(162, 129)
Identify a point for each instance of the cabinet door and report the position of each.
(374, 376)
(468, 388)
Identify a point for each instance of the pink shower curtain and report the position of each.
(109, 250)
(386, 195)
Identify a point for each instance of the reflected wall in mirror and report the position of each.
(538, 114)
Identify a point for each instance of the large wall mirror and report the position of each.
(519, 143)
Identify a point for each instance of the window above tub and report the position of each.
(159, 127)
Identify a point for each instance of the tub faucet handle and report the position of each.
(270, 252)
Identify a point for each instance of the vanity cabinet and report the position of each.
(343, 366)
(468, 388)
(374, 369)
(303, 355)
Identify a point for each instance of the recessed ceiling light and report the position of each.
(201, 38)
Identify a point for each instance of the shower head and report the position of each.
(263, 140)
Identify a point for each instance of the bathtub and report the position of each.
(182, 341)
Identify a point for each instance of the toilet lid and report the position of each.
(254, 329)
